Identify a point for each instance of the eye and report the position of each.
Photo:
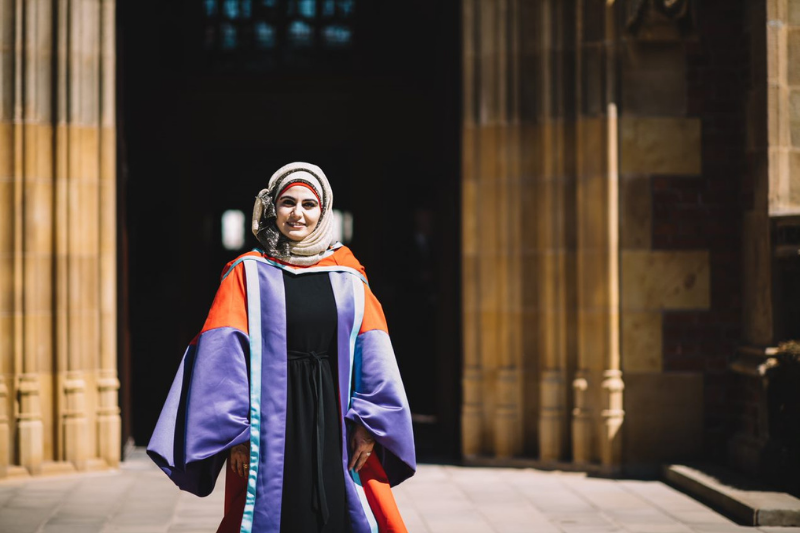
(309, 205)
(287, 201)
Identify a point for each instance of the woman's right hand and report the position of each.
(240, 455)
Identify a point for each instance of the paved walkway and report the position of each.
(140, 499)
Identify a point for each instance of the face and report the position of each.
(298, 212)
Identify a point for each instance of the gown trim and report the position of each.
(296, 271)
(254, 326)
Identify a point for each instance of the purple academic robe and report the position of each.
(211, 405)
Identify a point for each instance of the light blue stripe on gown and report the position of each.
(358, 297)
(254, 327)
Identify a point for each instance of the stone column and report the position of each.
(472, 407)
(109, 424)
(82, 230)
(553, 215)
(598, 243)
(491, 214)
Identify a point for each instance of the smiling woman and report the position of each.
(293, 379)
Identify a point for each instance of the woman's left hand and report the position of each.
(361, 445)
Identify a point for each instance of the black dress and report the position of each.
(313, 481)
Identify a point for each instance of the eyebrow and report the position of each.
(292, 198)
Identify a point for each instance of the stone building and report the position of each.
(579, 214)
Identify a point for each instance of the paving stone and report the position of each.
(138, 498)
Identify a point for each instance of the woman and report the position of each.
(293, 379)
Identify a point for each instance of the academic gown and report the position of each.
(231, 388)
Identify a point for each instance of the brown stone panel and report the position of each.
(793, 56)
(660, 146)
(794, 117)
(636, 224)
(641, 341)
(39, 219)
(653, 78)
(84, 151)
(793, 8)
(665, 280)
(663, 418)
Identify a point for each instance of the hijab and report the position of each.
(313, 247)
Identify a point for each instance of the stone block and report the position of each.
(84, 152)
(778, 131)
(6, 150)
(38, 155)
(660, 145)
(653, 78)
(6, 285)
(793, 14)
(794, 117)
(794, 180)
(6, 342)
(663, 417)
(636, 213)
(38, 294)
(665, 280)
(641, 341)
(84, 217)
(38, 212)
(793, 56)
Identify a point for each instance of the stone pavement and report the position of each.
(140, 499)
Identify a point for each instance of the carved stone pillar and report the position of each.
(109, 423)
(5, 434)
(472, 406)
(490, 239)
(554, 212)
(30, 430)
(598, 242)
(57, 270)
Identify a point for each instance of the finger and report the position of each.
(352, 462)
(362, 460)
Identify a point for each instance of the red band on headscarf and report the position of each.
(299, 184)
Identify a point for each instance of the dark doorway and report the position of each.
(217, 94)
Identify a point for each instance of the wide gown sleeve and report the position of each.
(206, 411)
(379, 400)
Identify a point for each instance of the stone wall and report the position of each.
(58, 379)
(632, 118)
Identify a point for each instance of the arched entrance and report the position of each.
(216, 95)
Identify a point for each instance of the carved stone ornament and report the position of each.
(640, 13)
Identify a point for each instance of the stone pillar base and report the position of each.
(552, 417)
(582, 426)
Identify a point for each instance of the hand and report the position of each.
(361, 445)
(240, 455)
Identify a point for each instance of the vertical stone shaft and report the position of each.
(109, 424)
(582, 434)
(492, 321)
(9, 352)
(60, 212)
(612, 385)
(472, 408)
(37, 225)
(30, 434)
(508, 433)
(551, 216)
(596, 433)
(83, 192)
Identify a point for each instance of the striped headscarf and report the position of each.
(312, 248)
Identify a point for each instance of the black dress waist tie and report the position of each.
(320, 501)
